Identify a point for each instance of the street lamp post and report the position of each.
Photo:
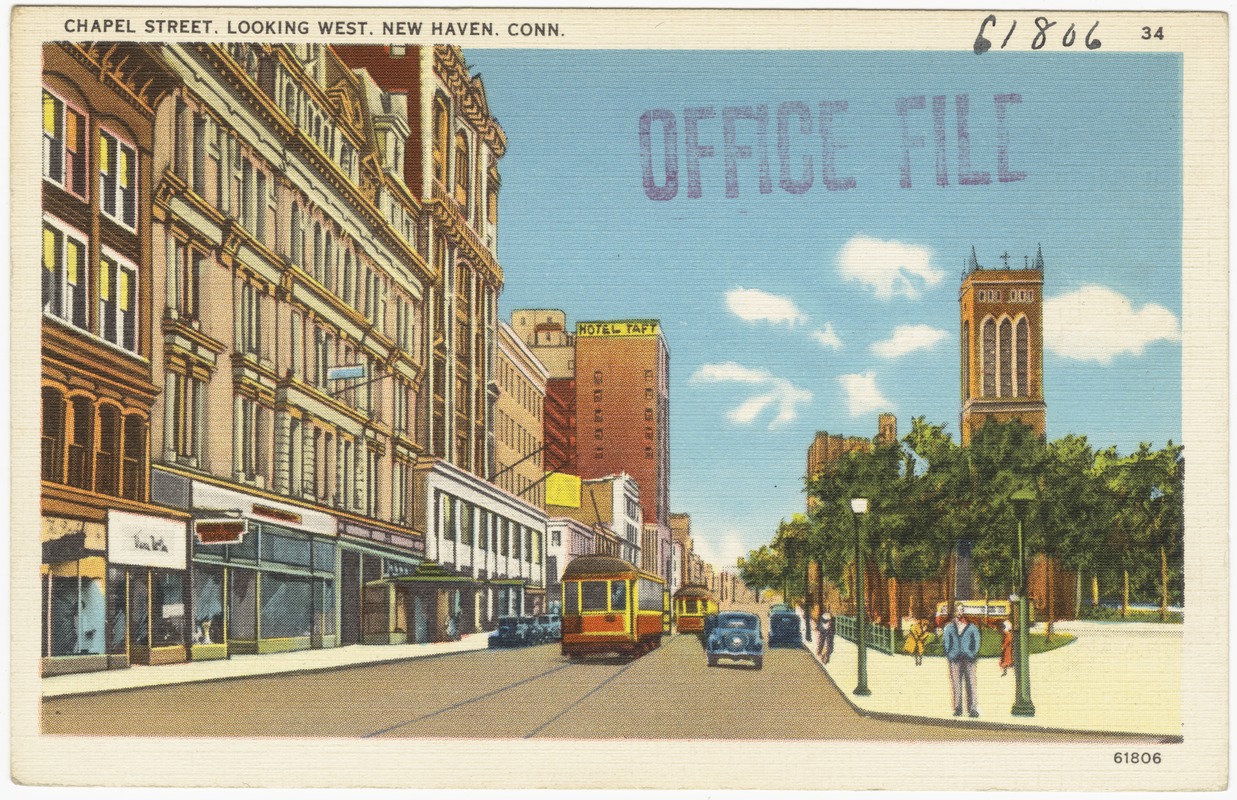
(859, 507)
(1023, 707)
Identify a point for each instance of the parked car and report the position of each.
(784, 629)
(512, 632)
(547, 628)
(735, 635)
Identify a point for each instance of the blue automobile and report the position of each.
(784, 628)
(735, 635)
(511, 632)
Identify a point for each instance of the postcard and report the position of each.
(619, 399)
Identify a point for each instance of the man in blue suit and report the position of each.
(961, 642)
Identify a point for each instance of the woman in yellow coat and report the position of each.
(916, 640)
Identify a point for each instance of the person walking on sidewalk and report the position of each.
(1007, 647)
(824, 636)
(961, 642)
(916, 640)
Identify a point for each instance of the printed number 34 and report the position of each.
(1147, 34)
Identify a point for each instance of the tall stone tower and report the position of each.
(1002, 339)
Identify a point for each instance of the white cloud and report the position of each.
(888, 266)
(779, 392)
(862, 396)
(722, 551)
(753, 305)
(827, 337)
(907, 339)
(1095, 323)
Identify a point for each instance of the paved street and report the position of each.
(520, 693)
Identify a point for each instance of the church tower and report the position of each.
(1002, 338)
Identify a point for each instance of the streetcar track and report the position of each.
(469, 701)
(580, 700)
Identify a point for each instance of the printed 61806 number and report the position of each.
(1136, 758)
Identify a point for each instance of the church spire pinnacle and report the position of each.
(1039, 257)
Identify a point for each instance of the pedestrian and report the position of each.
(1007, 647)
(916, 640)
(451, 628)
(824, 647)
(961, 642)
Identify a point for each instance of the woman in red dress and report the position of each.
(1007, 647)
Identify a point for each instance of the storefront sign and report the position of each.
(276, 514)
(219, 531)
(396, 569)
(618, 327)
(145, 541)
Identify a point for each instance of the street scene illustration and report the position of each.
(799, 395)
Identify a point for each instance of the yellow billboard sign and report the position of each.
(562, 490)
(619, 327)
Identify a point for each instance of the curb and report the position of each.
(983, 724)
(273, 674)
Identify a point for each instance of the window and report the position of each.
(556, 538)
(593, 595)
(117, 180)
(598, 378)
(1007, 359)
(64, 273)
(117, 289)
(107, 451)
(81, 433)
(250, 438)
(373, 463)
(188, 401)
(133, 471)
(251, 320)
(448, 518)
(463, 172)
(440, 140)
(648, 415)
(1023, 356)
(536, 548)
(199, 155)
(648, 393)
(53, 435)
(598, 434)
(966, 359)
(599, 452)
(618, 595)
(64, 134)
(989, 358)
(296, 241)
(597, 395)
(648, 433)
(187, 278)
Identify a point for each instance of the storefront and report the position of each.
(373, 609)
(435, 601)
(74, 573)
(263, 577)
(146, 588)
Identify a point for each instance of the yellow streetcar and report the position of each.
(692, 604)
(611, 606)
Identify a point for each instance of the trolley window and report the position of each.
(593, 595)
(691, 605)
(571, 597)
(650, 595)
(618, 595)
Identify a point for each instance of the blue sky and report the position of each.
(788, 313)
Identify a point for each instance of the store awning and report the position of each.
(508, 581)
(431, 572)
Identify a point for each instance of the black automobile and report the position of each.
(784, 629)
(512, 632)
(735, 635)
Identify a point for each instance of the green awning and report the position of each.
(508, 581)
(431, 572)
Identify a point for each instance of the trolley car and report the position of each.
(692, 604)
(611, 606)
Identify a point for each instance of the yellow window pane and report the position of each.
(70, 130)
(105, 155)
(49, 249)
(123, 290)
(49, 114)
(72, 257)
(105, 279)
(122, 166)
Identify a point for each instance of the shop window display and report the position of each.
(76, 611)
(207, 605)
(242, 620)
(285, 606)
(117, 611)
(167, 608)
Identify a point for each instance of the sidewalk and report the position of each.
(1114, 678)
(247, 666)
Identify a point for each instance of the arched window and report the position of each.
(441, 138)
(328, 262)
(463, 171)
(80, 430)
(106, 456)
(989, 356)
(966, 358)
(348, 290)
(133, 471)
(1022, 337)
(1007, 359)
(53, 435)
